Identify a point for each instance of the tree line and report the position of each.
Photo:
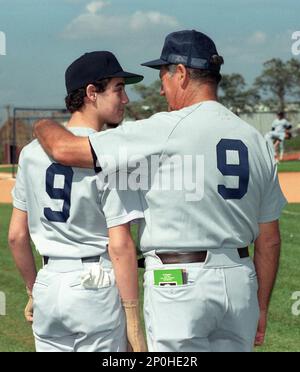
(276, 87)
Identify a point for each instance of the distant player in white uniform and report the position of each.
(76, 304)
(281, 130)
(202, 290)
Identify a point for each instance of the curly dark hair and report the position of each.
(75, 100)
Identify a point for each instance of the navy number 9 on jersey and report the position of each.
(59, 193)
(240, 170)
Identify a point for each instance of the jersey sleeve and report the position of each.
(124, 147)
(19, 192)
(120, 206)
(273, 200)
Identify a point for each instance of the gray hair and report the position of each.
(202, 76)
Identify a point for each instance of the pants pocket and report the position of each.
(174, 312)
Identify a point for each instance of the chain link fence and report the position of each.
(262, 121)
(16, 130)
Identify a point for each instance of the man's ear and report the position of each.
(91, 92)
(182, 74)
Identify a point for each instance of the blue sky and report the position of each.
(44, 36)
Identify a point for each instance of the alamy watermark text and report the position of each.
(2, 304)
(2, 44)
(296, 304)
(296, 44)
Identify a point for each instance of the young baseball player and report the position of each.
(202, 290)
(281, 130)
(74, 302)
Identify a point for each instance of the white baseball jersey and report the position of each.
(235, 178)
(68, 208)
(278, 128)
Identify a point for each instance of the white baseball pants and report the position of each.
(216, 311)
(69, 318)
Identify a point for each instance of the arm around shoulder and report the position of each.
(62, 145)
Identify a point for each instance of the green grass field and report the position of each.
(289, 166)
(283, 331)
(292, 145)
(6, 169)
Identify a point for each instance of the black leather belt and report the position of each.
(83, 259)
(243, 252)
(182, 257)
(192, 257)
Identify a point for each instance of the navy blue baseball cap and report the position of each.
(190, 48)
(94, 66)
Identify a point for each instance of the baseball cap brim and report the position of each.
(156, 63)
(128, 77)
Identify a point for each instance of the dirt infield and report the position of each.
(6, 185)
(291, 156)
(5, 165)
(290, 183)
